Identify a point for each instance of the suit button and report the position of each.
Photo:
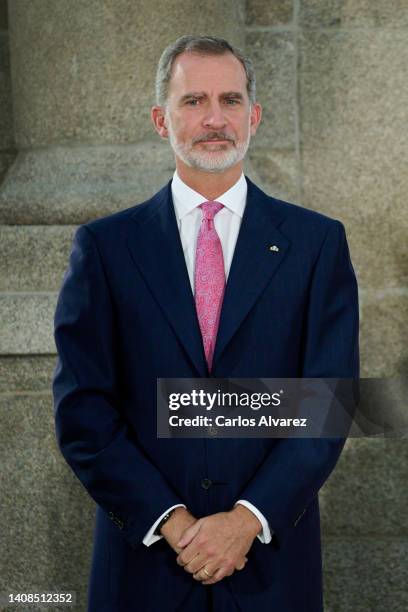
(206, 483)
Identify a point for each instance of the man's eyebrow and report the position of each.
(233, 94)
(192, 94)
(202, 94)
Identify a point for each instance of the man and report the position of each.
(201, 524)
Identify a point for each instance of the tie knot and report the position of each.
(210, 209)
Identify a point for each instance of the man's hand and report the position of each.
(177, 524)
(218, 543)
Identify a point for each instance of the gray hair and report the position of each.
(205, 45)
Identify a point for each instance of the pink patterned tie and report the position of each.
(209, 278)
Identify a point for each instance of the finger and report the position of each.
(198, 564)
(241, 565)
(195, 564)
(201, 575)
(222, 573)
(216, 577)
(209, 581)
(188, 554)
(189, 534)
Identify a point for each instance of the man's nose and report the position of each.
(215, 116)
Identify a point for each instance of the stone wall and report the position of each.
(76, 143)
(332, 74)
(7, 142)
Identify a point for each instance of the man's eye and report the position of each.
(192, 102)
(233, 100)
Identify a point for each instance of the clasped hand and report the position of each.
(217, 543)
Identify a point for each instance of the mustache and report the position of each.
(213, 136)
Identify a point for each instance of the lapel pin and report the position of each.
(274, 248)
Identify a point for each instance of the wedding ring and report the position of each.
(206, 573)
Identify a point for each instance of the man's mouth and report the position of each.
(216, 140)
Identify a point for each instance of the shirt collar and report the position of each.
(185, 198)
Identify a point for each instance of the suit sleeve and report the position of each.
(265, 536)
(291, 476)
(92, 435)
(150, 537)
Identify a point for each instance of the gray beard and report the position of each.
(214, 161)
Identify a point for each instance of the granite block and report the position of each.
(365, 494)
(48, 515)
(33, 258)
(353, 109)
(84, 71)
(273, 55)
(266, 13)
(277, 171)
(353, 13)
(384, 334)
(362, 575)
(19, 373)
(6, 108)
(27, 323)
(72, 185)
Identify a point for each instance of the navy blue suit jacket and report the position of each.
(126, 316)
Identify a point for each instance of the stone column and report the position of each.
(82, 87)
(83, 83)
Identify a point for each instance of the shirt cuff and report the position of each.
(150, 537)
(266, 535)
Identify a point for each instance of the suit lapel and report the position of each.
(253, 263)
(155, 246)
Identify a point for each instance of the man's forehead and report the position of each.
(191, 67)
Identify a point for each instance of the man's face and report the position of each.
(208, 117)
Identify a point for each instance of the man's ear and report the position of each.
(256, 116)
(158, 116)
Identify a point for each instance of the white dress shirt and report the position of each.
(227, 223)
